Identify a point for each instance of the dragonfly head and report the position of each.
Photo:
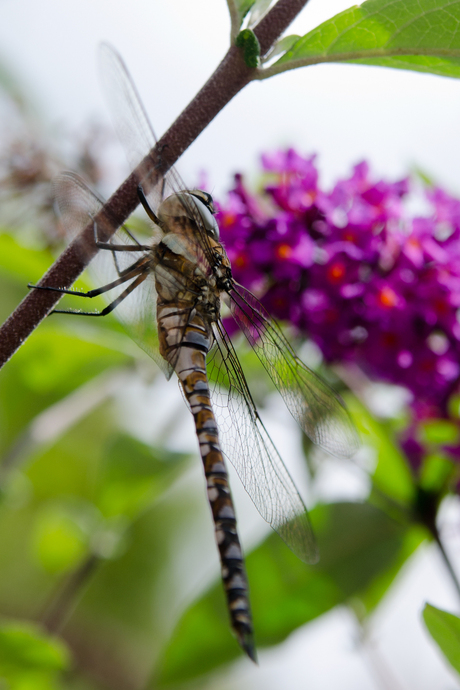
(204, 204)
(205, 197)
(194, 204)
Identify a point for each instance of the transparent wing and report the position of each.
(129, 117)
(316, 407)
(136, 135)
(246, 443)
(78, 205)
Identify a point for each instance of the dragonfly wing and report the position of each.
(250, 449)
(129, 117)
(78, 205)
(136, 135)
(316, 407)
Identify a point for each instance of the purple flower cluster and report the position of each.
(353, 270)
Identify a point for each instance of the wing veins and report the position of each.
(265, 476)
(313, 403)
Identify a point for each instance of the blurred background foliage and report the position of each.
(101, 529)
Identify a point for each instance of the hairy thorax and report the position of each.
(188, 289)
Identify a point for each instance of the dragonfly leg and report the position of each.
(131, 272)
(123, 247)
(137, 247)
(110, 307)
(144, 201)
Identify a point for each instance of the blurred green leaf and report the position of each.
(59, 542)
(241, 6)
(126, 610)
(392, 475)
(436, 473)
(115, 473)
(60, 358)
(18, 265)
(439, 431)
(70, 504)
(283, 45)
(357, 543)
(258, 10)
(50, 365)
(238, 9)
(404, 34)
(29, 658)
(24, 264)
(453, 404)
(444, 628)
(135, 475)
(73, 466)
(366, 601)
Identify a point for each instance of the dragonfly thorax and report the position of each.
(191, 231)
(195, 205)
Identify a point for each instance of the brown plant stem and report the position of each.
(381, 672)
(447, 561)
(426, 510)
(62, 605)
(229, 78)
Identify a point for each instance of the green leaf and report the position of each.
(258, 10)
(135, 475)
(58, 540)
(392, 475)
(436, 473)
(282, 46)
(453, 404)
(444, 628)
(247, 40)
(418, 35)
(367, 600)
(131, 599)
(46, 369)
(441, 431)
(29, 658)
(357, 543)
(26, 265)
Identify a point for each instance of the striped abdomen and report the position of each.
(185, 345)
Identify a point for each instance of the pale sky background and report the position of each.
(397, 120)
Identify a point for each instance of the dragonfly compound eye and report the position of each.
(202, 202)
(205, 197)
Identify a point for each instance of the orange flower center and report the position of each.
(284, 251)
(240, 261)
(388, 297)
(336, 272)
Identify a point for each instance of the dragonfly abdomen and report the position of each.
(191, 370)
(186, 310)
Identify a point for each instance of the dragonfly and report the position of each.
(171, 291)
